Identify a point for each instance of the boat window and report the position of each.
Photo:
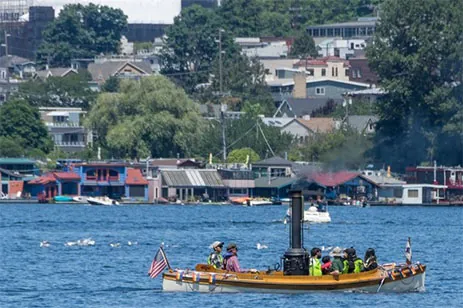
(413, 193)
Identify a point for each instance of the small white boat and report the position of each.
(257, 202)
(314, 215)
(80, 199)
(101, 201)
(311, 215)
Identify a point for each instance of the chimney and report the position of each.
(300, 85)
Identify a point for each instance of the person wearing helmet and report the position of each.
(215, 257)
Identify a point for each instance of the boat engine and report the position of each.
(296, 258)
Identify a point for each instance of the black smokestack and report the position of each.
(295, 234)
(296, 259)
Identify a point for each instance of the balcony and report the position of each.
(63, 124)
(77, 144)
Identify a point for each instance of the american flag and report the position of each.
(159, 264)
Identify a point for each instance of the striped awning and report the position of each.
(192, 178)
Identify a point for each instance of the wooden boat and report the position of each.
(294, 276)
(388, 278)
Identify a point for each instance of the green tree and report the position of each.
(191, 47)
(10, 147)
(341, 149)
(241, 156)
(111, 85)
(417, 53)
(150, 117)
(21, 122)
(243, 83)
(82, 32)
(69, 91)
(304, 46)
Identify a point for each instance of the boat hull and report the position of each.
(317, 217)
(378, 281)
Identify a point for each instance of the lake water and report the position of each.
(103, 276)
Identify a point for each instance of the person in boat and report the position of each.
(337, 265)
(315, 268)
(215, 257)
(352, 263)
(230, 260)
(326, 267)
(370, 260)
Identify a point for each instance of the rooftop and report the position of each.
(134, 177)
(15, 161)
(278, 182)
(273, 161)
(192, 178)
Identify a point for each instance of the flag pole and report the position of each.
(165, 258)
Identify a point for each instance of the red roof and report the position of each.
(334, 179)
(134, 177)
(43, 180)
(71, 176)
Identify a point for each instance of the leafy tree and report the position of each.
(150, 117)
(21, 122)
(341, 149)
(417, 54)
(241, 155)
(191, 46)
(244, 83)
(69, 91)
(304, 46)
(241, 17)
(10, 147)
(111, 85)
(82, 32)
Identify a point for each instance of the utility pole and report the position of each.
(220, 63)
(7, 73)
(223, 107)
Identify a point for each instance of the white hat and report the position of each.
(216, 244)
(336, 252)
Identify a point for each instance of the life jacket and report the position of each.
(315, 267)
(215, 259)
(326, 267)
(371, 263)
(352, 266)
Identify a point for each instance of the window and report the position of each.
(413, 193)
(346, 72)
(332, 71)
(337, 72)
(323, 72)
(320, 91)
(91, 175)
(310, 71)
(359, 73)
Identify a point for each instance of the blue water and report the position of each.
(103, 276)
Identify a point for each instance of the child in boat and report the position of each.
(326, 267)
